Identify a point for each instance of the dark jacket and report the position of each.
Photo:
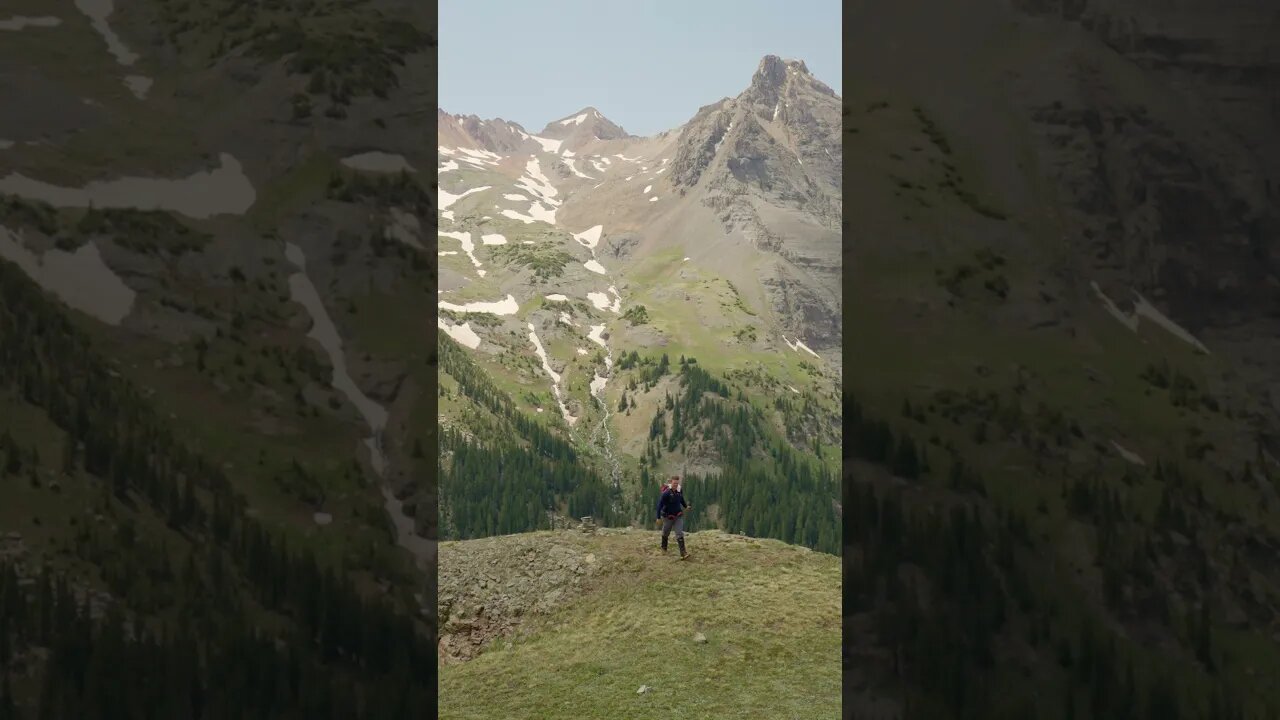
(671, 503)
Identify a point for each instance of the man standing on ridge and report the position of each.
(671, 507)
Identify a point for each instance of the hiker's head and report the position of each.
(674, 482)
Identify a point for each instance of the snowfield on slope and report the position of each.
(1144, 309)
(446, 199)
(462, 333)
(799, 345)
(81, 279)
(506, 306)
(225, 190)
(468, 247)
(547, 144)
(21, 22)
(552, 374)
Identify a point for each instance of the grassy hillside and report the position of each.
(573, 624)
(776, 482)
(1051, 514)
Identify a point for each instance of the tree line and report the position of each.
(965, 607)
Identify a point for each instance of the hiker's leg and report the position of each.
(666, 530)
(680, 534)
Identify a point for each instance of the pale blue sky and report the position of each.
(647, 65)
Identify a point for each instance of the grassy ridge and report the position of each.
(769, 612)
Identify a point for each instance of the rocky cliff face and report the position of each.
(763, 162)
(1178, 189)
(776, 138)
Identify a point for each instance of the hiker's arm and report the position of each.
(658, 510)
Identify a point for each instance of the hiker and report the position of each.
(671, 507)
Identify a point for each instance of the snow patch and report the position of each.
(493, 239)
(21, 22)
(557, 297)
(537, 213)
(463, 333)
(555, 377)
(590, 237)
(223, 191)
(446, 199)
(1144, 309)
(799, 345)
(468, 246)
(81, 279)
(515, 196)
(574, 120)
(98, 11)
(719, 142)
(405, 228)
(537, 183)
(326, 334)
(599, 299)
(1128, 455)
(647, 188)
(594, 267)
(572, 168)
(597, 335)
(139, 85)
(450, 165)
(483, 157)
(547, 144)
(506, 306)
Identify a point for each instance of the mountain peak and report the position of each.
(772, 72)
(586, 125)
(586, 114)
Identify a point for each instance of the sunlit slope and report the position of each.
(573, 624)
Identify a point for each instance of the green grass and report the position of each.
(770, 613)
(300, 186)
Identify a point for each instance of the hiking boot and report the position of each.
(680, 542)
